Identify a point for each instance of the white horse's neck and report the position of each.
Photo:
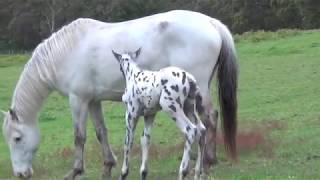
(39, 74)
(29, 94)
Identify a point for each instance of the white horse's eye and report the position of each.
(17, 139)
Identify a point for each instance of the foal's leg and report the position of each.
(145, 144)
(186, 127)
(80, 114)
(189, 130)
(189, 109)
(131, 122)
(109, 159)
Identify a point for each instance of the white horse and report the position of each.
(77, 62)
(170, 89)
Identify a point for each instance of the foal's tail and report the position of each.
(227, 76)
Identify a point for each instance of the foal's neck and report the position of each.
(131, 71)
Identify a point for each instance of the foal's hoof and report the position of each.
(183, 174)
(144, 175)
(124, 175)
(73, 174)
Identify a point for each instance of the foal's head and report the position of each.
(126, 58)
(23, 141)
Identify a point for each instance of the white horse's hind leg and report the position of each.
(145, 144)
(109, 159)
(210, 119)
(80, 115)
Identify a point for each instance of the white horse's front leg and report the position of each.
(145, 144)
(131, 122)
(109, 159)
(79, 114)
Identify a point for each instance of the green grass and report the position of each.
(279, 118)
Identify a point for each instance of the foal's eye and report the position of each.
(17, 139)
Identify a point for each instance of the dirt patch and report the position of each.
(249, 139)
(65, 152)
(252, 141)
(255, 138)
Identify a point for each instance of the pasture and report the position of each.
(279, 118)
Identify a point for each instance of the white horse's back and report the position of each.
(177, 38)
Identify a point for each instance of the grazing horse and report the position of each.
(171, 89)
(76, 61)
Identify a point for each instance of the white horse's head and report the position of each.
(23, 140)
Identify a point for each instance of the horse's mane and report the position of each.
(49, 53)
(39, 74)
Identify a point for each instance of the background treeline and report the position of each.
(24, 23)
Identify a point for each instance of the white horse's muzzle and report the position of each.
(24, 174)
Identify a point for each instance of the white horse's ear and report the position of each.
(13, 115)
(116, 55)
(3, 112)
(137, 53)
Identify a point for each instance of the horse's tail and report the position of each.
(227, 76)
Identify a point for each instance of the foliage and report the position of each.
(310, 11)
(261, 35)
(26, 22)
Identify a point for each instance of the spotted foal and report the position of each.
(171, 89)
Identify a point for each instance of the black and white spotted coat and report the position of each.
(171, 85)
(171, 89)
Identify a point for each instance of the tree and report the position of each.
(27, 22)
(54, 8)
(310, 11)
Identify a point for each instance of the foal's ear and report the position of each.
(137, 53)
(13, 114)
(116, 55)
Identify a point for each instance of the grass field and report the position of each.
(279, 118)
